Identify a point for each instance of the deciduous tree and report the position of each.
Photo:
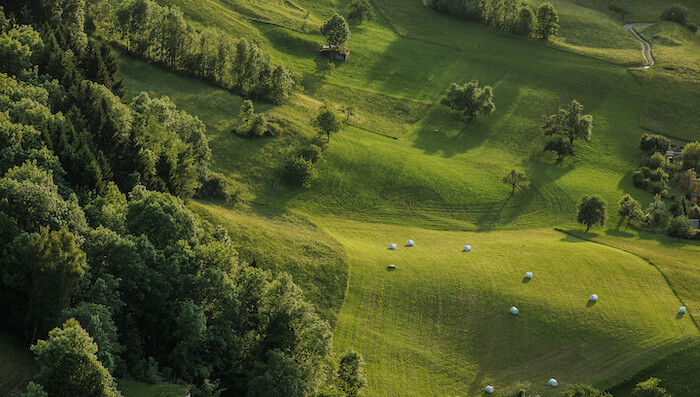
(517, 179)
(327, 122)
(470, 99)
(630, 209)
(361, 10)
(547, 21)
(336, 30)
(591, 211)
(570, 122)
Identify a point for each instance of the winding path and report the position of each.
(646, 47)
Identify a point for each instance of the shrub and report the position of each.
(561, 146)
(652, 143)
(299, 171)
(657, 160)
(311, 153)
(639, 179)
(215, 186)
(693, 28)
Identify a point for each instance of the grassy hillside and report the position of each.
(404, 166)
(290, 243)
(439, 323)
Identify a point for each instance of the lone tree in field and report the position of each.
(351, 375)
(327, 122)
(361, 10)
(676, 13)
(591, 211)
(470, 99)
(517, 179)
(630, 209)
(336, 30)
(569, 122)
(526, 23)
(547, 21)
(621, 11)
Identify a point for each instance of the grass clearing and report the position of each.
(439, 324)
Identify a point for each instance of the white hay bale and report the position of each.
(392, 267)
(528, 275)
(681, 310)
(514, 310)
(593, 298)
(392, 246)
(552, 382)
(410, 243)
(467, 248)
(489, 389)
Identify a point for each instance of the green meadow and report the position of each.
(404, 166)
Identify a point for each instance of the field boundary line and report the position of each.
(568, 233)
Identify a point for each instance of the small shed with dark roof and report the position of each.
(335, 52)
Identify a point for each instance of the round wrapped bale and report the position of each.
(593, 298)
(489, 389)
(681, 310)
(514, 310)
(392, 246)
(410, 243)
(391, 267)
(552, 382)
(467, 248)
(528, 275)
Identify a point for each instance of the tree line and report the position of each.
(508, 15)
(102, 266)
(162, 35)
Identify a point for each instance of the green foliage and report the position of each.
(252, 124)
(311, 153)
(69, 366)
(162, 35)
(470, 99)
(621, 11)
(351, 376)
(164, 219)
(680, 227)
(336, 30)
(361, 10)
(657, 212)
(591, 211)
(630, 209)
(508, 15)
(569, 122)
(300, 172)
(691, 155)
(526, 23)
(97, 321)
(581, 390)
(547, 21)
(689, 182)
(35, 390)
(657, 160)
(517, 179)
(327, 122)
(650, 388)
(107, 209)
(561, 146)
(653, 143)
(676, 13)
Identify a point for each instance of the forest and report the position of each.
(104, 269)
